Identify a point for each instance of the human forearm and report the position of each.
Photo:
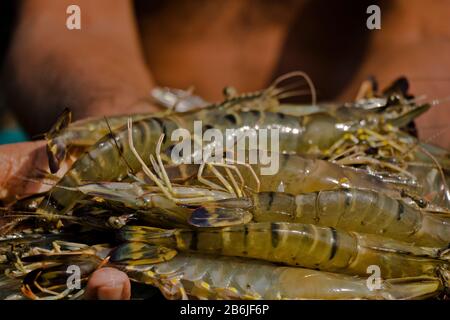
(97, 70)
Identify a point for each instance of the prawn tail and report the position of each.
(56, 148)
(445, 254)
(222, 213)
(148, 235)
(412, 288)
(140, 253)
(444, 275)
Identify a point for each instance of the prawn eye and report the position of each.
(393, 100)
(231, 118)
(422, 203)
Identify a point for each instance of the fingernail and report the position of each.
(110, 293)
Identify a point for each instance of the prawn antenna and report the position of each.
(119, 150)
(284, 93)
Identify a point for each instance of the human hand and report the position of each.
(108, 284)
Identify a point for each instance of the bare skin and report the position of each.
(108, 284)
(16, 163)
(113, 62)
(97, 72)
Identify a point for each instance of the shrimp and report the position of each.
(210, 277)
(303, 245)
(111, 157)
(64, 137)
(200, 276)
(155, 208)
(357, 210)
(80, 134)
(393, 104)
(351, 209)
(297, 175)
(362, 210)
(86, 132)
(400, 114)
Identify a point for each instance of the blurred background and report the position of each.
(10, 130)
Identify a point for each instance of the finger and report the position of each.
(19, 164)
(108, 284)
